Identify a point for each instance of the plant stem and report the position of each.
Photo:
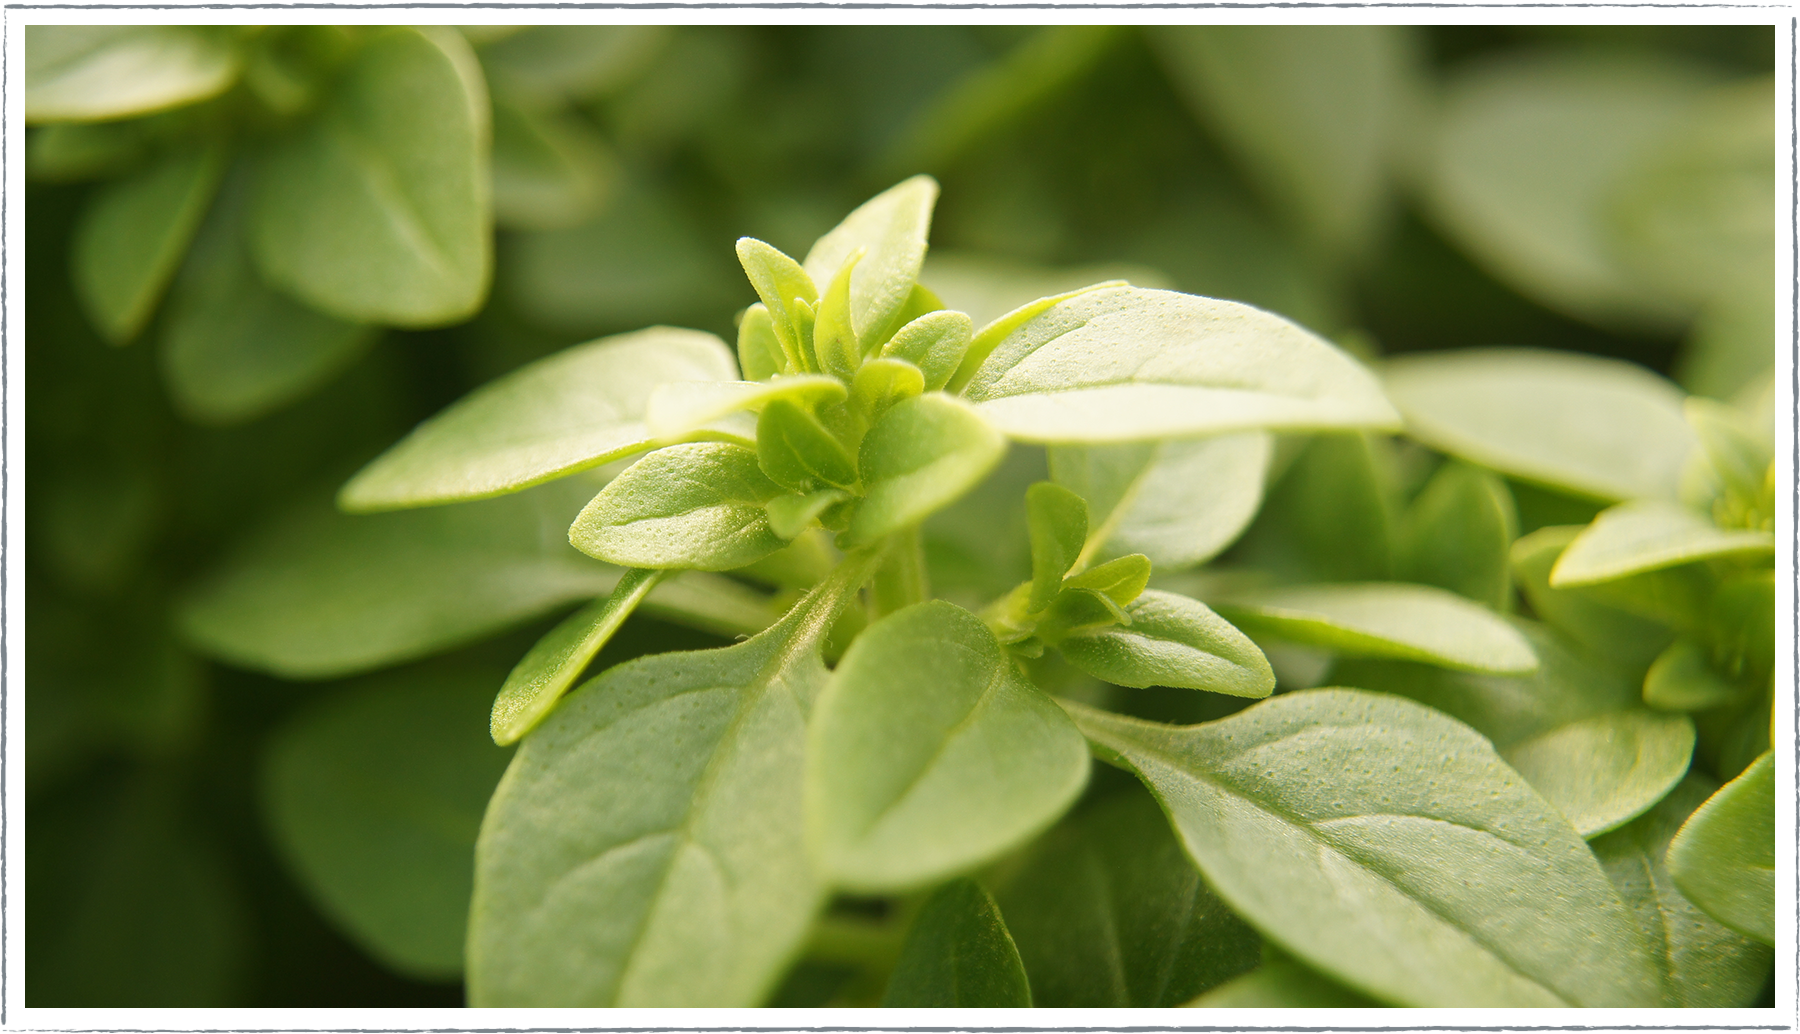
(900, 581)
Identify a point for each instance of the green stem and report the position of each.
(901, 580)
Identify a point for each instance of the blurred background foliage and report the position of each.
(282, 823)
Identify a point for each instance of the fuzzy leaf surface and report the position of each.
(697, 506)
(1723, 857)
(892, 227)
(1172, 641)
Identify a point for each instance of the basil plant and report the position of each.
(1449, 804)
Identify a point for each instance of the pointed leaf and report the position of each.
(1172, 641)
(1593, 426)
(1057, 521)
(930, 753)
(1458, 535)
(1391, 619)
(579, 408)
(918, 458)
(958, 955)
(834, 340)
(1126, 363)
(781, 284)
(133, 234)
(797, 452)
(892, 227)
(95, 72)
(1348, 873)
(1120, 580)
(378, 211)
(1002, 327)
(1635, 537)
(935, 343)
(1108, 912)
(1723, 858)
(554, 662)
(697, 506)
(683, 407)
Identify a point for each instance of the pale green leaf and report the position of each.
(1391, 848)
(682, 407)
(697, 506)
(988, 287)
(1458, 535)
(1172, 641)
(1056, 520)
(1729, 475)
(550, 169)
(133, 234)
(647, 847)
(94, 72)
(1178, 502)
(1120, 580)
(1108, 912)
(797, 452)
(834, 339)
(1646, 535)
(554, 662)
(1584, 424)
(1723, 858)
(1682, 678)
(380, 828)
(378, 210)
(1594, 623)
(958, 955)
(922, 455)
(1124, 363)
(892, 227)
(880, 383)
(935, 343)
(1281, 983)
(573, 410)
(1704, 964)
(789, 295)
(1603, 771)
(1391, 619)
(930, 753)
(758, 349)
(1001, 328)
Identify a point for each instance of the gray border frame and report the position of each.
(15, 17)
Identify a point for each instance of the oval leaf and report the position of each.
(579, 408)
(1589, 425)
(1635, 537)
(935, 343)
(1603, 771)
(930, 753)
(1723, 858)
(797, 452)
(891, 227)
(1172, 641)
(1458, 533)
(379, 210)
(1125, 363)
(921, 456)
(696, 506)
(1422, 870)
(1056, 520)
(1391, 619)
(93, 72)
(958, 955)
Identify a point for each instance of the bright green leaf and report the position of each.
(1730, 477)
(758, 349)
(1120, 580)
(935, 343)
(785, 289)
(834, 340)
(573, 410)
(1393, 619)
(697, 506)
(797, 452)
(1108, 912)
(133, 234)
(1586, 424)
(930, 753)
(554, 662)
(1646, 535)
(990, 336)
(789, 515)
(682, 407)
(95, 72)
(1057, 521)
(1723, 858)
(958, 955)
(1282, 983)
(1172, 641)
(380, 828)
(1390, 847)
(919, 457)
(881, 382)
(1458, 535)
(1124, 363)
(378, 210)
(891, 227)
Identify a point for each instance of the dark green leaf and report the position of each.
(797, 452)
(1172, 641)
(1458, 535)
(1392, 619)
(1723, 858)
(891, 228)
(94, 72)
(1057, 521)
(958, 955)
(919, 457)
(1330, 518)
(551, 63)
(697, 506)
(1282, 983)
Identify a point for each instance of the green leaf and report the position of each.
(1392, 619)
(1647, 535)
(919, 457)
(1120, 580)
(683, 407)
(891, 227)
(1178, 502)
(551, 170)
(1172, 641)
(1281, 983)
(554, 662)
(1458, 535)
(579, 408)
(930, 753)
(1704, 964)
(797, 452)
(1585, 424)
(234, 348)
(1682, 678)
(834, 340)
(882, 382)
(1002, 327)
(378, 211)
(1574, 728)
(935, 343)
(1734, 463)
(1530, 153)
(1057, 521)
(1314, 113)
(1741, 625)
(758, 349)
(789, 515)
(1723, 858)
(96, 72)
(958, 955)
(1330, 518)
(1124, 363)
(782, 285)
(1108, 912)
(65, 152)
(1597, 625)
(696, 506)
(647, 847)
(133, 233)
(1391, 848)
(380, 828)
